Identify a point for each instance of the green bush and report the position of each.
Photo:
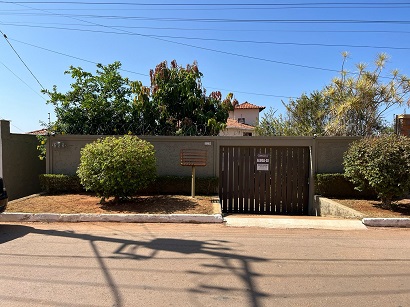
(382, 163)
(338, 186)
(59, 183)
(182, 185)
(117, 166)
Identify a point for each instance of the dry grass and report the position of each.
(168, 204)
(89, 203)
(373, 208)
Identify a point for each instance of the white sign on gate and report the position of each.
(262, 162)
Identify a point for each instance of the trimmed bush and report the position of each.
(117, 166)
(338, 186)
(383, 163)
(59, 183)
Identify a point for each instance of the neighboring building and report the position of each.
(402, 124)
(242, 120)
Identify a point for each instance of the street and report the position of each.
(121, 264)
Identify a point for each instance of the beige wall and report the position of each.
(329, 153)
(251, 115)
(19, 162)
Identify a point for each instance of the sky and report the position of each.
(264, 52)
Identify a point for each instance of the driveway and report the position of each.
(112, 264)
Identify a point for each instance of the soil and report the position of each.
(89, 203)
(374, 208)
(169, 204)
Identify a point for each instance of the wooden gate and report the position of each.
(264, 180)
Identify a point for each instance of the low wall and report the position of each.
(326, 207)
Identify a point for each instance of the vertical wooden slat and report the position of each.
(257, 183)
(296, 180)
(269, 182)
(306, 165)
(247, 179)
(230, 178)
(279, 180)
(252, 180)
(236, 166)
(224, 178)
(242, 178)
(289, 181)
(220, 187)
(274, 174)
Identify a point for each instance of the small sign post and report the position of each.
(262, 162)
(193, 157)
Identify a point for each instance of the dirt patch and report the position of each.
(89, 203)
(373, 208)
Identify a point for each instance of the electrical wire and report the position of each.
(5, 37)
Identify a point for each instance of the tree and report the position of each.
(351, 105)
(382, 163)
(118, 167)
(96, 104)
(358, 101)
(176, 103)
(306, 115)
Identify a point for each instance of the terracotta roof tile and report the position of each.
(232, 123)
(247, 105)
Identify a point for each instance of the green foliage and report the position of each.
(383, 163)
(41, 147)
(353, 104)
(337, 186)
(176, 104)
(96, 104)
(359, 100)
(60, 183)
(305, 116)
(118, 167)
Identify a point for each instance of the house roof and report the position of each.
(232, 123)
(38, 132)
(247, 105)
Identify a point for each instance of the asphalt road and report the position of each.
(116, 264)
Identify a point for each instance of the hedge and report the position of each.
(337, 186)
(173, 185)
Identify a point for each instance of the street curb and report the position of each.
(387, 222)
(125, 218)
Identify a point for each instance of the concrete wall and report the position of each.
(19, 162)
(329, 153)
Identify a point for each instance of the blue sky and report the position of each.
(264, 51)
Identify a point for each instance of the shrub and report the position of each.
(118, 167)
(338, 186)
(59, 183)
(382, 163)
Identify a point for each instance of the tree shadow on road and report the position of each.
(237, 264)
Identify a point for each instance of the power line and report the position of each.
(225, 40)
(5, 37)
(22, 80)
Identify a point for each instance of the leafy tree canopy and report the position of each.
(353, 104)
(107, 103)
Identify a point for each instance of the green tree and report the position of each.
(118, 167)
(382, 163)
(176, 102)
(351, 105)
(359, 101)
(305, 116)
(96, 104)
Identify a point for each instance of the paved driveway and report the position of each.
(109, 264)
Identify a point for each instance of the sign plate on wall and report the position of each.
(262, 162)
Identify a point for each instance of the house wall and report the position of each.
(19, 163)
(251, 115)
(235, 132)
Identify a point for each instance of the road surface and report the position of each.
(118, 264)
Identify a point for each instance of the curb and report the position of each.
(125, 218)
(387, 222)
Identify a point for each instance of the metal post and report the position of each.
(193, 182)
